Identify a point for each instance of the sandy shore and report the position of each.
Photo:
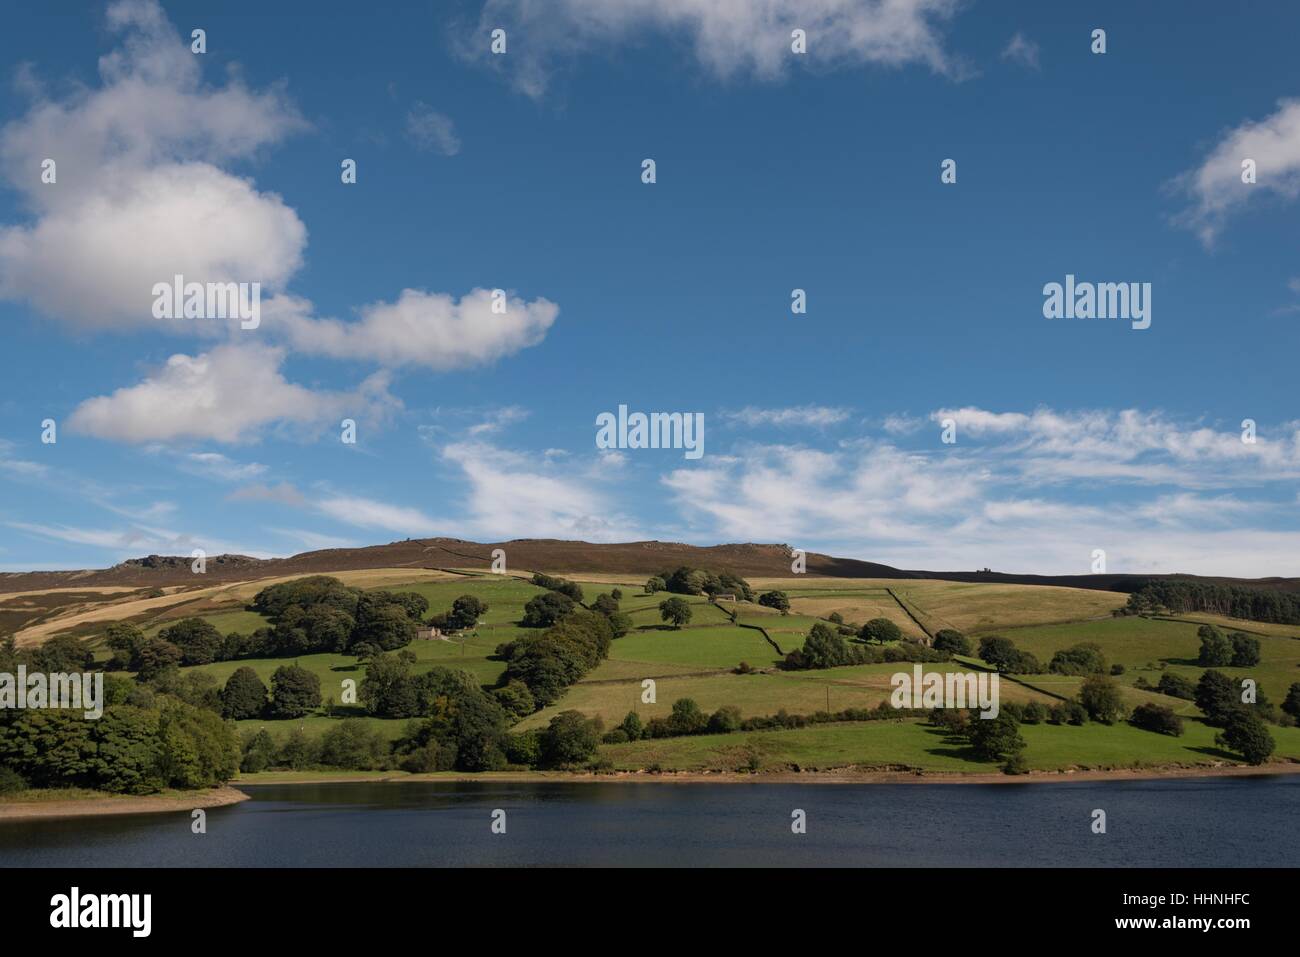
(833, 776)
(118, 804)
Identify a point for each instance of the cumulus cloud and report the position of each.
(728, 38)
(1215, 187)
(139, 196)
(428, 329)
(227, 395)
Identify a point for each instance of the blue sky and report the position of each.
(775, 171)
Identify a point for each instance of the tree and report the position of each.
(687, 718)
(386, 625)
(570, 738)
(1245, 650)
(1176, 686)
(997, 651)
(465, 612)
(881, 630)
(1246, 734)
(775, 599)
(605, 604)
(1291, 705)
(1157, 718)
(543, 611)
(155, 656)
(245, 696)
(1216, 650)
(675, 610)
(1081, 659)
(632, 727)
(295, 691)
(823, 648)
(995, 739)
(352, 744)
(620, 624)
(516, 699)
(1101, 698)
(63, 654)
(197, 638)
(952, 641)
(655, 584)
(1216, 697)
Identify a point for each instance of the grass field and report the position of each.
(1147, 647)
(912, 744)
(756, 695)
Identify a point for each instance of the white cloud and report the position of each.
(1215, 187)
(370, 513)
(421, 328)
(138, 197)
(218, 466)
(1024, 492)
(515, 495)
(431, 130)
(1022, 50)
(807, 416)
(227, 395)
(136, 540)
(729, 38)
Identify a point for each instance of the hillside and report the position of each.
(550, 555)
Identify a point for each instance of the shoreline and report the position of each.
(119, 804)
(232, 793)
(834, 776)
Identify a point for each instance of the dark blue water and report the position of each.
(1247, 822)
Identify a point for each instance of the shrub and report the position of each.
(1157, 718)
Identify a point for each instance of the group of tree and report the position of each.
(548, 662)
(1178, 596)
(144, 742)
(572, 590)
(464, 614)
(1005, 657)
(824, 647)
(1218, 650)
(699, 581)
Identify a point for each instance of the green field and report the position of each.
(697, 662)
(912, 744)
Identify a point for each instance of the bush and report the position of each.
(1176, 686)
(1157, 718)
(11, 782)
(775, 599)
(725, 720)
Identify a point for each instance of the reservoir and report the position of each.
(1186, 822)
